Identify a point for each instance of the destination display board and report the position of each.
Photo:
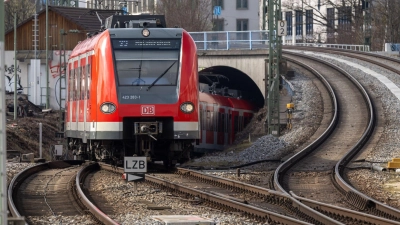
(146, 43)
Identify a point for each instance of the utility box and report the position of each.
(58, 150)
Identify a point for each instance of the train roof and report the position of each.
(214, 99)
(241, 104)
(86, 45)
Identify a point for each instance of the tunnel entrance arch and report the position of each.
(233, 79)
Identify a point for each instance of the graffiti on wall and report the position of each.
(9, 73)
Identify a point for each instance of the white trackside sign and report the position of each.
(135, 164)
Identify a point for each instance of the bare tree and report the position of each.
(192, 15)
(24, 9)
(385, 23)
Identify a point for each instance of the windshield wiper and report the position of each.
(155, 81)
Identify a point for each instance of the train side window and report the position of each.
(88, 82)
(202, 119)
(240, 123)
(83, 83)
(221, 122)
(70, 82)
(225, 123)
(230, 122)
(208, 120)
(75, 83)
(236, 123)
(76, 86)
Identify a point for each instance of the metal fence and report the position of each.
(230, 40)
(227, 40)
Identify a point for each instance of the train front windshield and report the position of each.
(147, 62)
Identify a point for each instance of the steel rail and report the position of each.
(248, 210)
(354, 196)
(96, 212)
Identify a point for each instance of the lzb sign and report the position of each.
(135, 164)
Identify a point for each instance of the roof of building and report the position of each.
(83, 17)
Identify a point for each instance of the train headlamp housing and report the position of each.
(187, 107)
(145, 32)
(107, 107)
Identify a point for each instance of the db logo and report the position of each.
(148, 110)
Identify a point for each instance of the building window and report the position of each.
(241, 4)
(299, 23)
(331, 22)
(289, 23)
(344, 18)
(242, 25)
(218, 3)
(309, 22)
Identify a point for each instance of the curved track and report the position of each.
(310, 172)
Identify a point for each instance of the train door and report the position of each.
(70, 96)
(77, 94)
(84, 96)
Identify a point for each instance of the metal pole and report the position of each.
(40, 140)
(47, 56)
(15, 66)
(275, 56)
(3, 137)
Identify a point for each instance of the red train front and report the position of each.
(133, 89)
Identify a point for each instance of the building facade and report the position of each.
(236, 15)
(323, 21)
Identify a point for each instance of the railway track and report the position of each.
(260, 203)
(316, 172)
(53, 191)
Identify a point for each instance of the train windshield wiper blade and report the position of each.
(155, 81)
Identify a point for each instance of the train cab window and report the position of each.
(147, 62)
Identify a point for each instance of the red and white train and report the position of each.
(133, 89)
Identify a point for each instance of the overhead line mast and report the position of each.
(3, 137)
(275, 57)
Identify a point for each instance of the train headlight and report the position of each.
(145, 32)
(107, 107)
(187, 107)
